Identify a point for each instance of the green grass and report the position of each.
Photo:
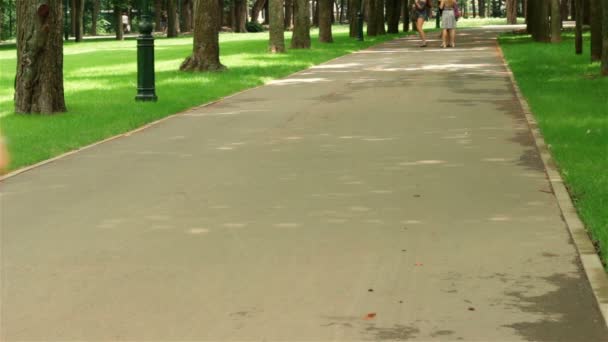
(100, 85)
(570, 102)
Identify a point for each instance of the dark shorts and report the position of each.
(419, 14)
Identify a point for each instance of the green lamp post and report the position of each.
(145, 58)
(360, 22)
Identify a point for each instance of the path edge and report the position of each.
(590, 260)
(185, 111)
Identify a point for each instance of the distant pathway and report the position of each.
(391, 194)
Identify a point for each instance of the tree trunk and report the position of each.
(511, 12)
(540, 16)
(315, 13)
(474, 8)
(171, 19)
(94, 17)
(206, 51)
(266, 13)
(380, 17)
(482, 8)
(587, 12)
(118, 19)
(39, 78)
(77, 17)
(158, 12)
(276, 43)
(565, 9)
(596, 30)
(255, 10)
(556, 22)
(288, 14)
(578, 40)
(239, 22)
(372, 25)
(393, 10)
(605, 43)
(186, 22)
(342, 12)
(325, 12)
(301, 27)
(353, 19)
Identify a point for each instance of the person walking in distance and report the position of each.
(422, 8)
(448, 23)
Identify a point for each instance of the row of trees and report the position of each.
(39, 80)
(544, 22)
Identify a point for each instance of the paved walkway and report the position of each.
(391, 194)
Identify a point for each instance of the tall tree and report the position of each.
(206, 50)
(512, 12)
(380, 17)
(578, 40)
(258, 5)
(288, 14)
(39, 78)
(393, 10)
(605, 43)
(482, 8)
(276, 44)
(325, 14)
(474, 8)
(158, 14)
(120, 34)
(301, 26)
(556, 22)
(171, 19)
(239, 23)
(94, 16)
(77, 19)
(353, 19)
(372, 25)
(186, 21)
(596, 30)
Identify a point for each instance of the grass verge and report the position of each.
(570, 102)
(100, 80)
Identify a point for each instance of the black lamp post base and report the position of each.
(146, 97)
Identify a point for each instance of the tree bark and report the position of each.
(511, 12)
(605, 42)
(315, 13)
(301, 27)
(171, 19)
(325, 13)
(276, 43)
(393, 11)
(77, 18)
(578, 39)
(372, 24)
(342, 13)
(158, 12)
(565, 9)
(120, 35)
(587, 12)
(596, 30)
(380, 17)
(288, 14)
(39, 78)
(266, 13)
(186, 22)
(240, 11)
(94, 17)
(255, 10)
(482, 8)
(474, 8)
(556, 22)
(353, 19)
(206, 51)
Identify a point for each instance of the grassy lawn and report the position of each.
(570, 102)
(100, 85)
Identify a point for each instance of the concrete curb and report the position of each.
(154, 123)
(590, 260)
